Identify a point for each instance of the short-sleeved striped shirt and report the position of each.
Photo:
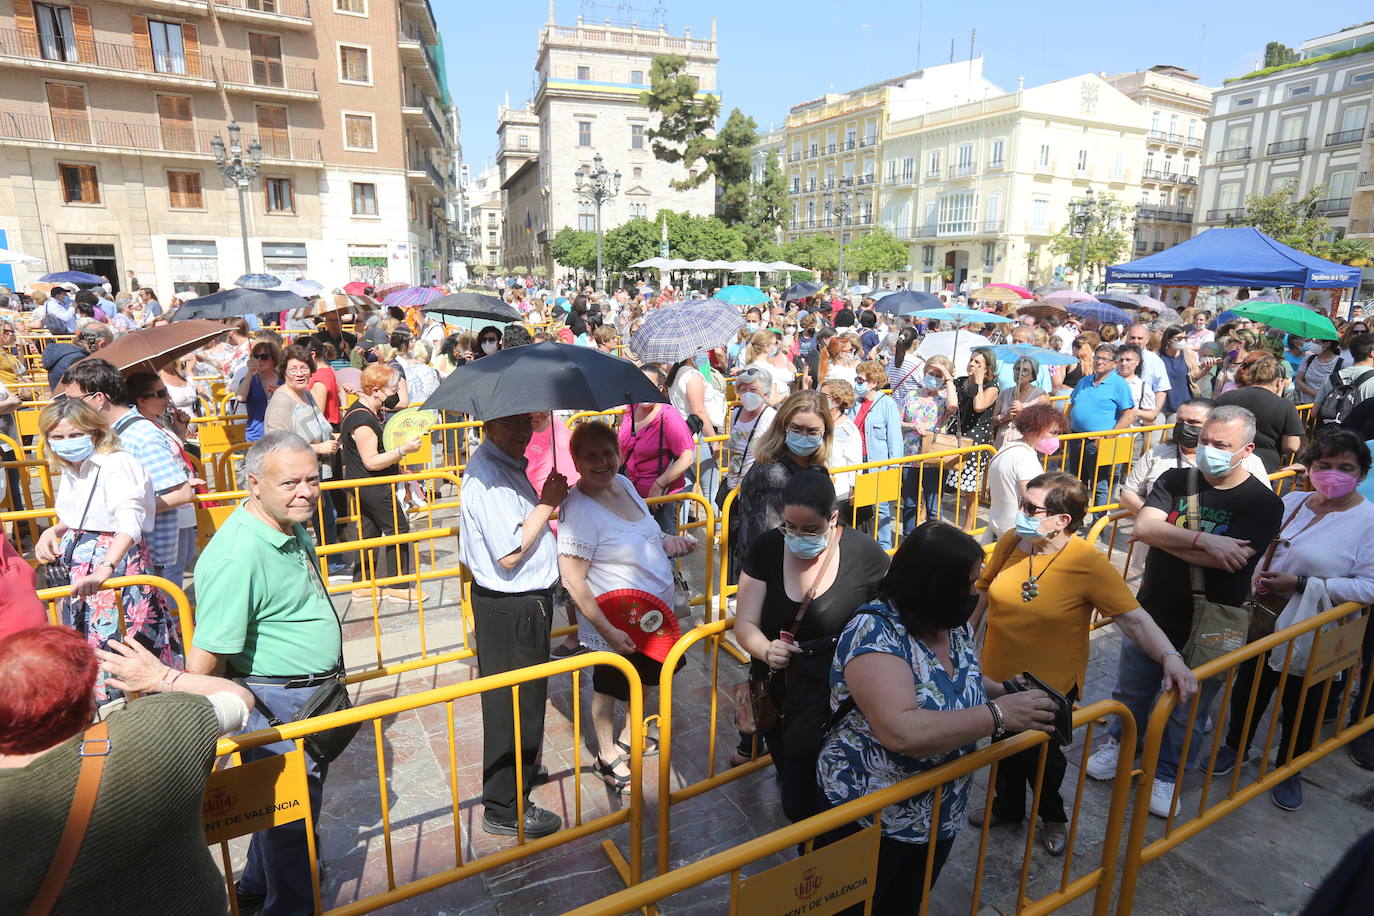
(141, 438)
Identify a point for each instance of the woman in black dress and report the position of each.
(360, 433)
(978, 393)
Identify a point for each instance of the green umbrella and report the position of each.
(1295, 319)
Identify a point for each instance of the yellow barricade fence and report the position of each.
(430, 705)
(874, 482)
(15, 517)
(1104, 458)
(775, 891)
(1336, 639)
(456, 441)
(26, 468)
(182, 609)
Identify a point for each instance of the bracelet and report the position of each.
(173, 684)
(999, 727)
(1195, 537)
(1171, 652)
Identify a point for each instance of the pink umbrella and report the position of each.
(1019, 290)
(355, 288)
(1066, 297)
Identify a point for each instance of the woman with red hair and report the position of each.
(145, 816)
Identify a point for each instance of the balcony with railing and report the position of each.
(898, 180)
(1287, 147)
(1333, 206)
(867, 142)
(794, 157)
(148, 135)
(1142, 246)
(1159, 136)
(1345, 137)
(866, 179)
(286, 13)
(1226, 215)
(1365, 180)
(1156, 246)
(624, 39)
(1234, 154)
(117, 59)
(963, 169)
(239, 74)
(415, 49)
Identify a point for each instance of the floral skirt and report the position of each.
(146, 616)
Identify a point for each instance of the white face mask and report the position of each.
(488, 347)
(751, 400)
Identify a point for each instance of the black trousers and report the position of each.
(901, 872)
(379, 516)
(1016, 774)
(1239, 736)
(512, 632)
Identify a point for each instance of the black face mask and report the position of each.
(956, 616)
(1186, 436)
(391, 402)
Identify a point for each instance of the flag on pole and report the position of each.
(529, 225)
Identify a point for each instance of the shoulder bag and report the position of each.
(94, 748)
(1265, 609)
(58, 572)
(755, 710)
(1217, 628)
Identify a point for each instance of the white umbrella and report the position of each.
(719, 265)
(783, 265)
(17, 257)
(654, 262)
(698, 264)
(944, 343)
(740, 267)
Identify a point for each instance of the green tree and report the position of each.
(874, 252)
(575, 248)
(541, 271)
(1289, 217)
(686, 118)
(520, 270)
(732, 162)
(1277, 53)
(767, 204)
(816, 252)
(1108, 240)
(1345, 250)
(689, 237)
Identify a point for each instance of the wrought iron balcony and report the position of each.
(1287, 147)
(1234, 154)
(1345, 137)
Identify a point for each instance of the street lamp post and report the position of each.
(597, 186)
(840, 207)
(241, 171)
(1085, 210)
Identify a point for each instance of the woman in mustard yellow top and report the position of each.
(1038, 591)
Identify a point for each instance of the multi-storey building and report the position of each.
(1305, 123)
(1178, 107)
(979, 189)
(111, 109)
(485, 229)
(586, 101)
(833, 144)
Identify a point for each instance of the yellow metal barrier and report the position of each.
(1337, 637)
(1117, 450)
(443, 700)
(51, 596)
(881, 481)
(610, 416)
(1097, 881)
(456, 442)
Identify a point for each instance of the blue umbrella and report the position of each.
(670, 335)
(801, 290)
(1221, 319)
(1013, 352)
(305, 288)
(742, 295)
(908, 301)
(860, 289)
(257, 281)
(71, 276)
(1104, 312)
(883, 294)
(231, 303)
(961, 317)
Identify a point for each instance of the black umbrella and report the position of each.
(800, 290)
(231, 303)
(543, 376)
(474, 305)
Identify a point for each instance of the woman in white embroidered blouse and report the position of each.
(608, 540)
(105, 501)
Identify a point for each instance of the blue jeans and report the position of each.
(278, 865)
(175, 572)
(927, 483)
(885, 526)
(1080, 459)
(1138, 679)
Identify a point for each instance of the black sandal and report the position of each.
(608, 774)
(650, 746)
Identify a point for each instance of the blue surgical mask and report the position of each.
(1028, 528)
(1213, 461)
(932, 381)
(861, 388)
(703, 361)
(75, 450)
(751, 326)
(805, 546)
(798, 444)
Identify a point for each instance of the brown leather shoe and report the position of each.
(1054, 837)
(975, 818)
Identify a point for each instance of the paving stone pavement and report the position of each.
(1259, 860)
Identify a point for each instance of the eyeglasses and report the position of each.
(1104, 359)
(804, 431)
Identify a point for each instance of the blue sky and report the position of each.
(776, 53)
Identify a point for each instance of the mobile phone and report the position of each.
(787, 637)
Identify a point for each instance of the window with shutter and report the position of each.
(265, 51)
(80, 184)
(358, 132)
(272, 131)
(174, 114)
(353, 64)
(70, 120)
(281, 195)
(364, 199)
(356, 7)
(184, 191)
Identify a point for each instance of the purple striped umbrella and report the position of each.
(411, 295)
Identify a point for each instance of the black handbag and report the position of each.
(59, 572)
(330, 696)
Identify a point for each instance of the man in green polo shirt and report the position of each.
(262, 613)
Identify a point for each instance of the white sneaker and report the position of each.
(1162, 798)
(1102, 764)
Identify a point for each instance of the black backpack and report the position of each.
(54, 325)
(1343, 398)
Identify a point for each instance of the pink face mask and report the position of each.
(1048, 445)
(1333, 484)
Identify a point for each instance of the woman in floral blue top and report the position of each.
(906, 669)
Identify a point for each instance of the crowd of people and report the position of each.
(878, 650)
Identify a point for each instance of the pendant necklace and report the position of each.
(1030, 589)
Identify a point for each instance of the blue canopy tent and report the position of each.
(1235, 257)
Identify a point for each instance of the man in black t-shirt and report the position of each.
(1239, 516)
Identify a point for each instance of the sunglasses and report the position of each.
(161, 393)
(262, 355)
